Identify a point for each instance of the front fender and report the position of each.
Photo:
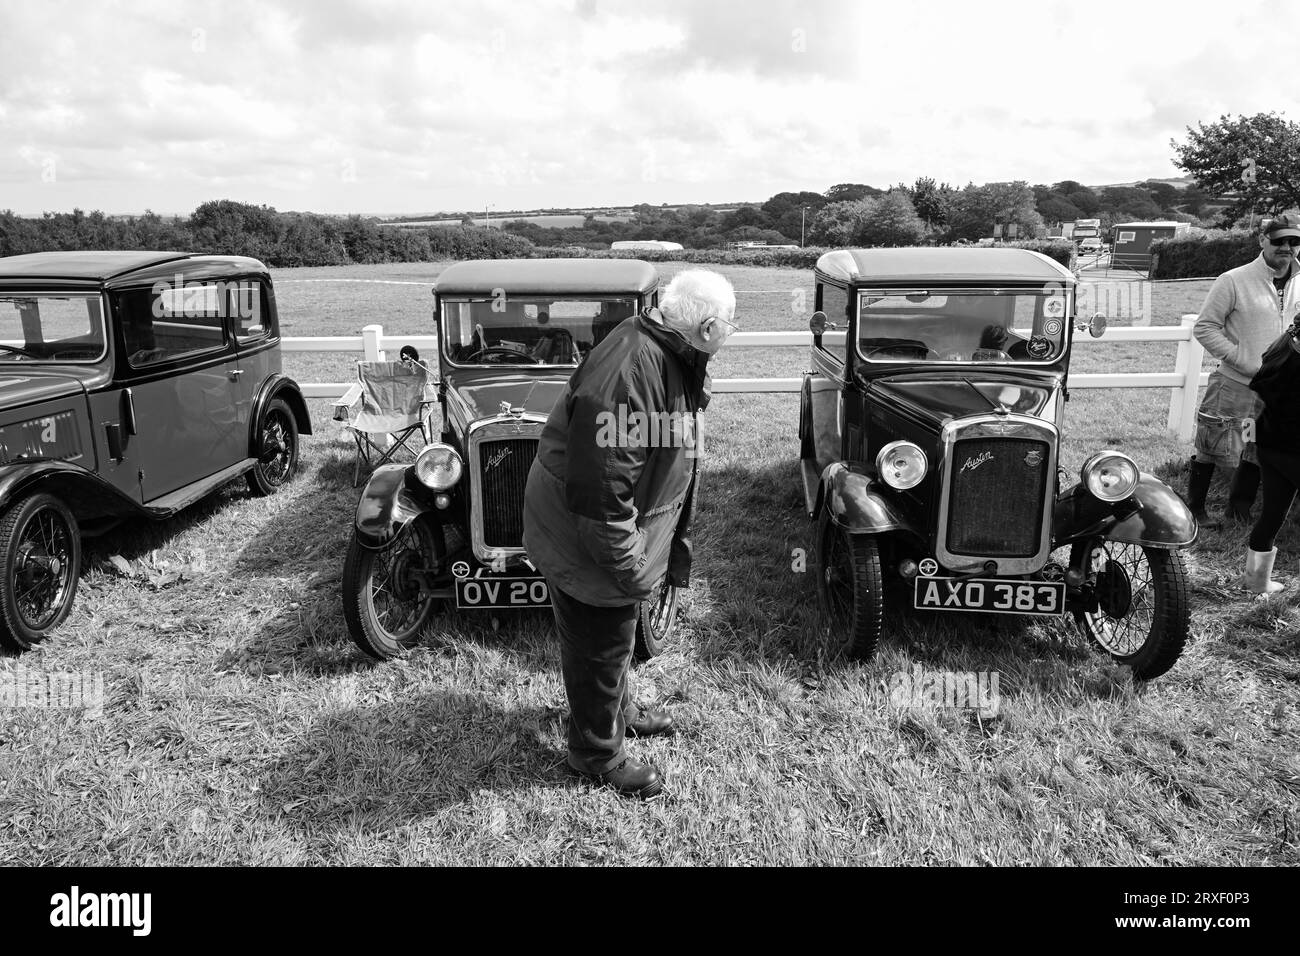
(854, 502)
(1164, 521)
(1159, 520)
(386, 507)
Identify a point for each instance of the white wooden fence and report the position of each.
(1184, 380)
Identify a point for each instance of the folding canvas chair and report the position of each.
(385, 412)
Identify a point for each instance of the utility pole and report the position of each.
(803, 215)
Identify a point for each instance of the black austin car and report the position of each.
(131, 385)
(930, 435)
(446, 532)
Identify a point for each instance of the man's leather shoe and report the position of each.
(631, 778)
(650, 722)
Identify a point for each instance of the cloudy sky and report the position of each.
(393, 106)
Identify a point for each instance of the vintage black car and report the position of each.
(131, 385)
(447, 530)
(929, 439)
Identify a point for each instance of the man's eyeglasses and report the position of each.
(728, 322)
(1292, 241)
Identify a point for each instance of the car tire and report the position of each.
(1143, 601)
(391, 570)
(277, 449)
(850, 587)
(655, 622)
(40, 565)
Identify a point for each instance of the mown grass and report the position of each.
(240, 725)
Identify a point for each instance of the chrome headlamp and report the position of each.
(438, 466)
(1109, 475)
(901, 465)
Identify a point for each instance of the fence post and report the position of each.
(1182, 401)
(371, 334)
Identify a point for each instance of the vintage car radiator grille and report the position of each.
(995, 507)
(503, 473)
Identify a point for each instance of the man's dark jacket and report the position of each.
(607, 507)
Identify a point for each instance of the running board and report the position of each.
(169, 504)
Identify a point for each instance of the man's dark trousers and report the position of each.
(595, 655)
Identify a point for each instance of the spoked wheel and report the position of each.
(387, 594)
(850, 588)
(277, 450)
(40, 560)
(654, 624)
(1142, 610)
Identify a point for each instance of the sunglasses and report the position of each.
(1292, 241)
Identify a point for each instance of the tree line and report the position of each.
(1240, 167)
(226, 227)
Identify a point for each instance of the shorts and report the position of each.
(1221, 421)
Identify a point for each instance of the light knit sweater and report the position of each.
(1242, 315)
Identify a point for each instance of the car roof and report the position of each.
(942, 264)
(106, 266)
(82, 265)
(543, 276)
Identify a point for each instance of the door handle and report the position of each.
(234, 374)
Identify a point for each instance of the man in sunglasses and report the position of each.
(1245, 310)
(607, 509)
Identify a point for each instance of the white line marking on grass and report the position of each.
(375, 281)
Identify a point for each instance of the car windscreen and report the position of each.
(963, 326)
(529, 330)
(51, 327)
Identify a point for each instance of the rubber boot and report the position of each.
(1259, 572)
(1242, 491)
(1198, 486)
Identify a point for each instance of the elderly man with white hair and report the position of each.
(607, 507)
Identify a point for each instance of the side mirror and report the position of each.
(1097, 325)
(817, 324)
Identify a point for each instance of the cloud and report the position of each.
(377, 105)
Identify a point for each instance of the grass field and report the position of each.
(240, 726)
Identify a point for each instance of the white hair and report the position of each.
(695, 295)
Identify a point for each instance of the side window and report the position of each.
(247, 309)
(834, 302)
(167, 322)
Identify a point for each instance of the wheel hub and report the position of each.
(1114, 590)
(405, 580)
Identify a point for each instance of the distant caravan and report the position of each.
(642, 245)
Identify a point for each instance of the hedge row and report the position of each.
(806, 258)
(1197, 257)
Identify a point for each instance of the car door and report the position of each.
(828, 379)
(179, 362)
(257, 339)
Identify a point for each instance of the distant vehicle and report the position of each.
(1090, 247)
(1087, 229)
(754, 244)
(644, 244)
